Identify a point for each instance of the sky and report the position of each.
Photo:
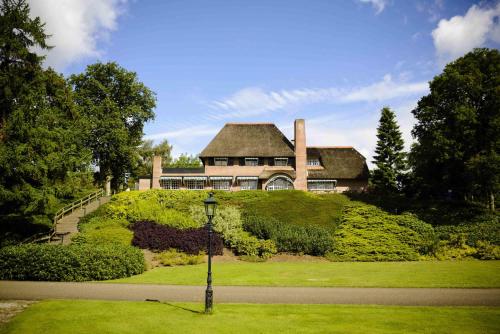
(333, 63)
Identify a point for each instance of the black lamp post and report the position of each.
(210, 208)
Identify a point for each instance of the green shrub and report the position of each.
(487, 229)
(103, 230)
(228, 222)
(367, 233)
(70, 263)
(487, 251)
(313, 240)
(134, 208)
(172, 257)
(456, 248)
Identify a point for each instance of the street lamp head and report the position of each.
(210, 205)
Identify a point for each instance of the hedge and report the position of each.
(367, 233)
(229, 224)
(43, 262)
(158, 237)
(290, 238)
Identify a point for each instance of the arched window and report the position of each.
(279, 182)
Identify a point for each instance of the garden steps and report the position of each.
(67, 226)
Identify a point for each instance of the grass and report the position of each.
(443, 274)
(141, 317)
(296, 207)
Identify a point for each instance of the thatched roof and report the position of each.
(338, 163)
(249, 140)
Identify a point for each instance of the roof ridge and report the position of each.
(250, 123)
(330, 146)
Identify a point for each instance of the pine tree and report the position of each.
(390, 159)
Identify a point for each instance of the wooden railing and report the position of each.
(70, 208)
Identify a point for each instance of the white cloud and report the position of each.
(192, 132)
(460, 34)
(255, 101)
(358, 130)
(76, 27)
(379, 5)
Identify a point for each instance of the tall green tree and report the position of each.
(39, 137)
(19, 64)
(389, 159)
(458, 129)
(115, 105)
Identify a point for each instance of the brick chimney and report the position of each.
(300, 155)
(156, 172)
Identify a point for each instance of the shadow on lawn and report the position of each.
(181, 307)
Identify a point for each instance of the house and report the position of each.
(246, 156)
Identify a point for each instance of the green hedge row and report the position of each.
(290, 238)
(43, 262)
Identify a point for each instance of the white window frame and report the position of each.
(220, 161)
(249, 184)
(321, 185)
(194, 184)
(281, 160)
(313, 162)
(221, 184)
(279, 182)
(171, 184)
(255, 161)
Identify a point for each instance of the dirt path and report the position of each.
(243, 294)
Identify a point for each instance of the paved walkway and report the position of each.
(243, 294)
(69, 223)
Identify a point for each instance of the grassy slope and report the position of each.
(140, 317)
(355, 274)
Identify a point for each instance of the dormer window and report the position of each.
(251, 161)
(280, 161)
(313, 162)
(220, 161)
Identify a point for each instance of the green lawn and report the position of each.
(142, 317)
(455, 274)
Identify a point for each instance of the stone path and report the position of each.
(68, 225)
(244, 294)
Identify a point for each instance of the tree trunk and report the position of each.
(492, 201)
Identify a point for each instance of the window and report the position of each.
(220, 161)
(170, 183)
(248, 184)
(313, 162)
(280, 161)
(321, 185)
(195, 184)
(279, 183)
(251, 161)
(221, 184)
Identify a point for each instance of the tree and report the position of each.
(115, 105)
(39, 129)
(19, 36)
(145, 153)
(389, 158)
(458, 129)
(186, 161)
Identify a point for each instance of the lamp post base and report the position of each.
(209, 298)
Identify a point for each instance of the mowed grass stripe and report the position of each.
(442, 274)
(142, 317)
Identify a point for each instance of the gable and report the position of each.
(249, 140)
(338, 163)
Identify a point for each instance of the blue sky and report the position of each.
(334, 63)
